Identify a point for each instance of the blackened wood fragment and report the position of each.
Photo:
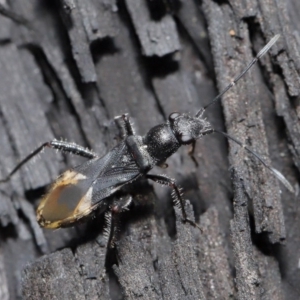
(244, 119)
(247, 279)
(213, 260)
(268, 270)
(25, 128)
(99, 18)
(149, 76)
(4, 292)
(192, 19)
(178, 267)
(58, 278)
(90, 258)
(123, 83)
(5, 11)
(79, 40)
(157, 37)
(136, 273)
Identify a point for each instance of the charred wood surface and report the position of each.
(68, 67)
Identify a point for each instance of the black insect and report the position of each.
(81, 190)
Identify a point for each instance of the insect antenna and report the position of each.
(262, 52)
(23, 162)
(199, 114)
(276, 173)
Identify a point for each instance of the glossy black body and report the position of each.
(81, 190)
(136, 155)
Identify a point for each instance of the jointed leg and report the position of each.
(55, 144)
(71, 148)
(191, 153)
(127, 125)
(177, 195)
(112, 219)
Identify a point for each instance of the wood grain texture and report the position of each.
(67, 67)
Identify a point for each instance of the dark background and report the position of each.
(68, 67)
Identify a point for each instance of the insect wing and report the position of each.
(120, 169)
(110, 182)
(68, 200)
(78, 192)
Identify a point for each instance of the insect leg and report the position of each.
(127, 125)
(71, 148)
(112, 219)
(55, 144)
(177, 195)
(191, 153)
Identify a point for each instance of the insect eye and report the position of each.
(173, 116)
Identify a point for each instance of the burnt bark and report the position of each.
(67, 67)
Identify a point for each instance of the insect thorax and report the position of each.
(161, 142)
(140, 153)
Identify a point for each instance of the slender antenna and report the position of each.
(262, 52)
(277, 174)
(23, 162)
